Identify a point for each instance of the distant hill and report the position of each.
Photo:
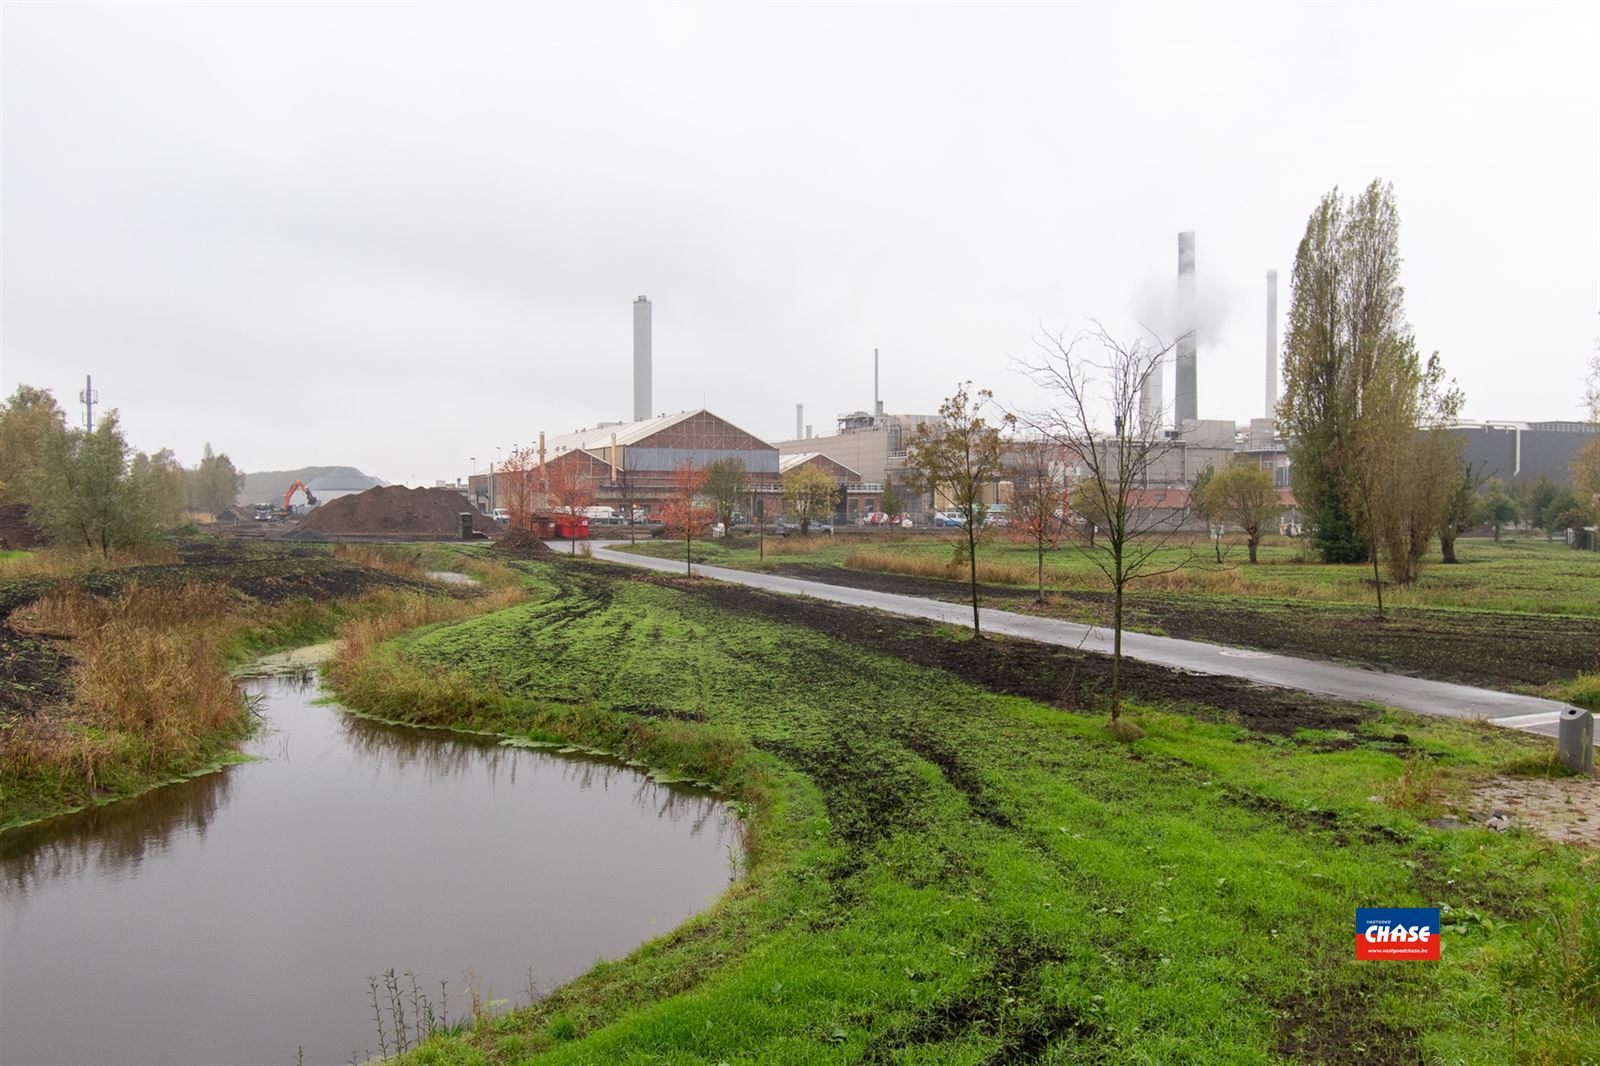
(268, 486)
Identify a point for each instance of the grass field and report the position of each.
(1526, 575)
(1490, 645)
(945, 871)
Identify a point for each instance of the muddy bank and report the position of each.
(1485, 649)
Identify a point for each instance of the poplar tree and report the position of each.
(1372, 463)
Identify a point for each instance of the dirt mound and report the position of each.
(396, 510)
(522, 544)
(15, 532)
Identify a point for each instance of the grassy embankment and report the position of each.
(1521, 615)
(118, 675)
(945, 873)
(1524, 576)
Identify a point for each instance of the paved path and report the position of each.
(1529, 713)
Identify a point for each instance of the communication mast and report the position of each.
(88, 396)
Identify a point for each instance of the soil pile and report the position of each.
(394, 510)
(15, 532)
(521, 544)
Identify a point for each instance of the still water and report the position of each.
(236, 917)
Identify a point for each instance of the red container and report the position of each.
(572, 527)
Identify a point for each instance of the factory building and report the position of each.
(634, 462)
(1524, 451)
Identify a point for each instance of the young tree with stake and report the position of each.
(571, 491)
(959, 456)
(1094, 378)
(725, 484)
(517, 486)
(684, 514)
(1038, 500)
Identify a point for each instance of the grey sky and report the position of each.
(397, 236)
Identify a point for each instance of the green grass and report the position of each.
(1524, 575)
(941, 874)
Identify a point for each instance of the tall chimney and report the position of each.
(1272, 344)
(877, 404)
(1186, 399)
(808, 433)
(799, 420)
(641, 359)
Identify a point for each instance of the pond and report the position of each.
(237, 917)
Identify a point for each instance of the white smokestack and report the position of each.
(799, 420)
(1272, 344)
(1186, 395)
(641, 359)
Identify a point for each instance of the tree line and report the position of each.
(90, 490)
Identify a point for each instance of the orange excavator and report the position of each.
(311, 501)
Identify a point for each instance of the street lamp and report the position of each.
(491, 478)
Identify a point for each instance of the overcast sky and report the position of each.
(398, 236)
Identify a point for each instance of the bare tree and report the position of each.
(1095, 379)
(627, 489)
(1591, 389)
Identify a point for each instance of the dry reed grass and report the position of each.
(151, 683)
(152, 690)
(391, 559)
(55, 562)
(797, 545)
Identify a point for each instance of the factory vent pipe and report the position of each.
(641, 359)
(1272, 344)
(877, 404)
(1186, 395)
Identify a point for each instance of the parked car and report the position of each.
(949, 518)
(787, 526)
(502, 516)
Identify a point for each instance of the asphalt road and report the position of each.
(1529, 713)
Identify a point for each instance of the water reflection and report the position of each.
(265, 894)
(114, 837)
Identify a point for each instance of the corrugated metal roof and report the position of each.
(598, 439)
(787, 463)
